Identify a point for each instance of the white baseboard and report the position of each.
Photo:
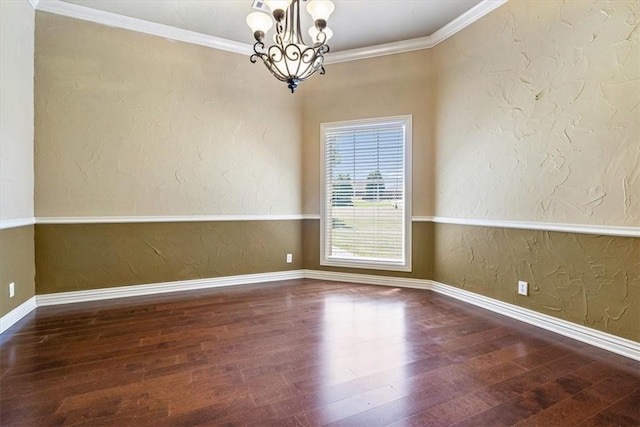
(603, 340)
(368, 279)
(161, 288)
(15, 315)
(612, 343)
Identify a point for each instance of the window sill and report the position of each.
(366, 265)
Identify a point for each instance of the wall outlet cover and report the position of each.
(12, 289)
(289, 258)
(523, 288)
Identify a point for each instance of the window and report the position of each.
(366, 194)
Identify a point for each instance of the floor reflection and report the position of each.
(361, 337)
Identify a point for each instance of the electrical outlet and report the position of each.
(523, 288)
(289, 258)
(12, 289)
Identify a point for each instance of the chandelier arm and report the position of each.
(278, 55)
(297, 23)
(294, 56)
(272, 70)
(320, 42)
(312, 66)
(288, 30)
(275, 56)
(279, 27)
(258, 49)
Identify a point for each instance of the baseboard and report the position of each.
(603, 340)
(612, 343)
(161, 288)
(368, 279)
(15, 315)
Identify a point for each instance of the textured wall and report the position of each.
(590, 280)
(16, 110)
(16, 151)
(17, 266)
(131, 124)
(92, 256)
(387, 86)
(538, 116)
(421, 252)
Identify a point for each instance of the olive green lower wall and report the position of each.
(91, 256)
(16, 265)
(586, 279)
(422, 252)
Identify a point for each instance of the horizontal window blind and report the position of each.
(365, 192)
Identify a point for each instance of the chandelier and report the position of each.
(290, 59)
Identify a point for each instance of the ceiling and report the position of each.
(355, 23)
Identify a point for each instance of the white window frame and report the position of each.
(405, 264)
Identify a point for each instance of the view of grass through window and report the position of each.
(370, 229)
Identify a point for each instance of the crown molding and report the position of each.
(469, 17)
(419, 43)
(463, 21)
(134, 24)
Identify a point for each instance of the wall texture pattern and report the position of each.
(16, 151)
(538, 117)
(586, 279)
(129, 124)
(16, 106)
(93, 256)
(17, 266)
(393, 85)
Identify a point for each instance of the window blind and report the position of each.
(365, 192)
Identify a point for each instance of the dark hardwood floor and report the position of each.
(304, 353)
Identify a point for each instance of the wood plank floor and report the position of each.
(304, 353)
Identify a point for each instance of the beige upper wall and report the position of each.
(131, 124)
(380, 87)
(538, 116)
(16, 109)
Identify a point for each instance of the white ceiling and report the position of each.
(355, 23)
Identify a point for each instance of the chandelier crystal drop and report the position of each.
(290, 59)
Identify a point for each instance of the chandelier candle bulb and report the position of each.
(260, 23)
(320, 9)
